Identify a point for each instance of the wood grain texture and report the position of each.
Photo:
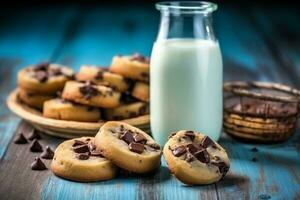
(92, 35)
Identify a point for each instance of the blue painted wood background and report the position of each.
(257, 42)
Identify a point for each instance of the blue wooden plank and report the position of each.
(106, 31)
(21, 46)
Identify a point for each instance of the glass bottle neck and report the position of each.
(186, 25)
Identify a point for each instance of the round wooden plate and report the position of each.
(63, 128)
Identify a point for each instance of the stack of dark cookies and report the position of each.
(260, 112)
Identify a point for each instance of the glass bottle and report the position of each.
(186, 72)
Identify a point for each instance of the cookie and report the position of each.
(44, 78)
(66, 110)
(134, 67)
(127, 111)
(79, 160)
(141, 91)
(101, 76)
(32, 99)
(92, 95)
(195, 159)
(269, 137)
(128, 147)
(256, 125)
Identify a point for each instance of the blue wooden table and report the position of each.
(258, 43)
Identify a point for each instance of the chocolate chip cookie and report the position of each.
(91, 95)
(128, 147)
(127, 111)
(44, 78)
(195, 159)
(33, 99)
(101, 76)
(67, 110)
(80, 160)
(134, 67)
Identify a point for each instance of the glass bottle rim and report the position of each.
(187, 6)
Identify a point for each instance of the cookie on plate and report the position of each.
(92, 95)
(44, 78)
(80, 160)
(33, 99)
(141, 91)
(195, 159)
(66, 110)
(134, 67)
(128, 147)
(101, 76)
(127, 111)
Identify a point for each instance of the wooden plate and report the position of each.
(63, 128)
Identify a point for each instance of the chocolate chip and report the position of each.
(179, 151)
(171, 135)
(54, 72)
(202, 155)
(81, 149)
(206, 142)
(223, 168)
(140, 138)
(47, 153)
(83, 156)
(36, 146)
(99, 75)
(34, 135)
(41, 76)
(154, 146)
(42, 66)
(136, 147)
(127, 137)
(20, 139)
(192, 148)
(140, 58)
(88, 91)
(254, 149)
(77, 143)
(38, 164)
(254, 159)
(190, 134)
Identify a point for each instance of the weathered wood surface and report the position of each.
(257, 44)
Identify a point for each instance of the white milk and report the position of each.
(186, 87)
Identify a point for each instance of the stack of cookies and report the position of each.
(260, 112)
(41, 82)
(93, 94)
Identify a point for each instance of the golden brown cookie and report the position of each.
(127, 111)
(101, 76)
(134, 67)
(195, 159)
(141, 91)
(66, 110)
(44, 78)
(92, 95)
(79, 160)
(128, 147)
(32, 99)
